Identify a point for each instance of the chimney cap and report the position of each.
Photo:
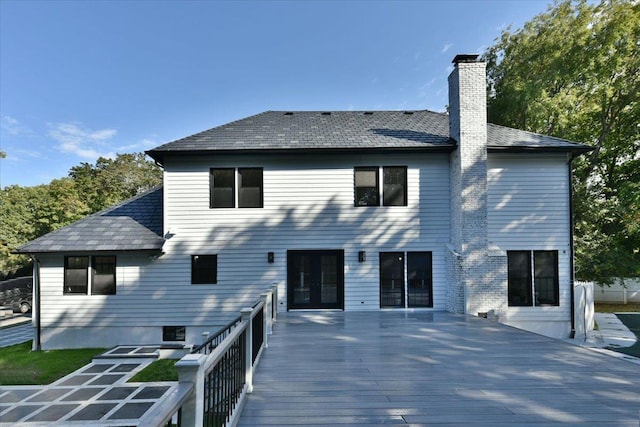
(465, 58)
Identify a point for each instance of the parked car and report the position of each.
(17, 294)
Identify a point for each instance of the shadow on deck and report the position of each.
(398, 368)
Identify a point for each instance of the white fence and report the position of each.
(621, 293)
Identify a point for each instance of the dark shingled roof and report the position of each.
(135, 224)
(347, 130)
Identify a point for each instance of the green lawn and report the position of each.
(21, 366)
(602, 307)
(160, 370)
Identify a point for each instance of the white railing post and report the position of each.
(268, 309)
(205, 337)
(265, 315)
(248, 362)
(191, 369)
(275, 301)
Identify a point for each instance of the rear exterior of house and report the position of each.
(370, 210)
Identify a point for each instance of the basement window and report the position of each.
(173, 333)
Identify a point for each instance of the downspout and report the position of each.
(571, 263)
(36, 346)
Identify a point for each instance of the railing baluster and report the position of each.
(225, 375)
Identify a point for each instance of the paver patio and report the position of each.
(433, 368)
(97, 394)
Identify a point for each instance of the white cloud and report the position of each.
(446, 47)
(13, 126)
(144, 144)
(82, 142)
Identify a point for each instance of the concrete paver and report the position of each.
(97, 394)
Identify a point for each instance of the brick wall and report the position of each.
(477, 281)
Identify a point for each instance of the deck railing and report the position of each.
(221, 369)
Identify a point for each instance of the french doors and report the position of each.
(315, 279)
(416, 290)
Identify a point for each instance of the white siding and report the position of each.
(529, 210)
(307, 205)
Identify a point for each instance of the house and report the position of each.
(343, 210)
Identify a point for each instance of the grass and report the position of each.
(160, 370)
(602, 307)
(21, 366)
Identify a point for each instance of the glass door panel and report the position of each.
(420, 288)
(315, 279)
(391, 279)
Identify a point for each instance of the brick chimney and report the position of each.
(470, 289)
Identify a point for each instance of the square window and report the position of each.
(366, 186)
(250, 187)
(222, 188)
(76, 274)
(204, 269)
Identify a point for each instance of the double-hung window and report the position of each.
(224, 181)
(102, 278)
(367, 186)
(533, 278)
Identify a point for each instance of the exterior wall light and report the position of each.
(271, 257)
(362, 256)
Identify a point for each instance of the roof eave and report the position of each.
(159, 155)
(575, 151)
(86, 251)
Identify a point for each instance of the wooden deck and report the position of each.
(425, 368)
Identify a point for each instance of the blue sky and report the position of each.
(82, 79)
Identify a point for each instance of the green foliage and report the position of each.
(160, 370)
(21, 366)
(574, 72)
(29, 212)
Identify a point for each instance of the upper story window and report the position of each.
(394, 188)
(223, 183)
(367, 186)
(249, 187)
(533, 278)
(222, 188)
(102, 278)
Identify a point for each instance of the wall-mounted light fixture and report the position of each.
(362, 256)
(271, 257)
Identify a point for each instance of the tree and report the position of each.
(110, 181)
(29, 212)
(574, 72)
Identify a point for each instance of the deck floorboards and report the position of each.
(433, 368)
